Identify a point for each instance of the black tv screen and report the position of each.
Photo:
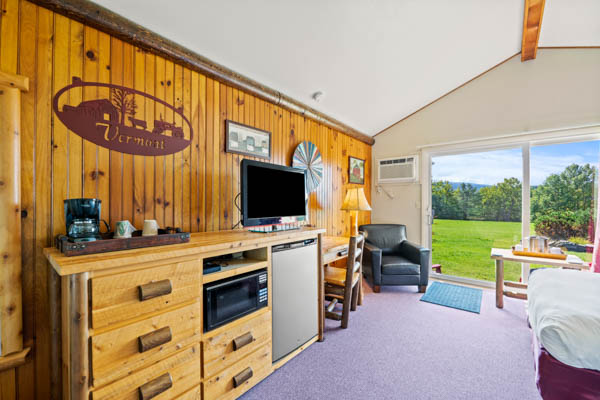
(271, 192)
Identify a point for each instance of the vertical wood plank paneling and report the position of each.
(194, 153)
(187, 153)
(75, 144)
(178, 157)
(216, 143)
(201, 148)
(227, 208)
(116, 158)
(43, 199)
(222, 158)
(8, 389)
(169, 160)
(159, 162)
(90, 73)
(9, 30)
(127, 171)
(27, 66)
(209, 155)
(195, 189)
(235, 171)
(60, 134)
(149, 168)
(103, 175)
(139, 172)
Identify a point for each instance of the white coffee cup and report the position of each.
(124, 229)
(150, 227)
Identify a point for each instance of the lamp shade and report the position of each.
(356, 201)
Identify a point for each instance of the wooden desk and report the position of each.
(501, 255)
(333, 246)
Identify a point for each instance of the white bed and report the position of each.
(564, 313)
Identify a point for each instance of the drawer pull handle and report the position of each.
(155, 387)
(242, 341)
(154, 339)
(155, 289)
(242, 377)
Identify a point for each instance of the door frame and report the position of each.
(525, 141)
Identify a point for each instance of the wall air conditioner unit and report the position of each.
(398, 169)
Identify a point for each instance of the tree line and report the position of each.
(566, 196)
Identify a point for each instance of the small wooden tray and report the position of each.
(541, 255)
(107, 244)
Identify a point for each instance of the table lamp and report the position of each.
(354, 202)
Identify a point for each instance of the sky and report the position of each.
(491, 167)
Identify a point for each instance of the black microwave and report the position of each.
(229, 299)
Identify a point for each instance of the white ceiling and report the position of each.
(376, 61)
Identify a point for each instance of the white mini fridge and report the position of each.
(295, 296)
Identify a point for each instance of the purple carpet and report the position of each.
(397, 347)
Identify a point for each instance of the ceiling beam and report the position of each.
(532, 25)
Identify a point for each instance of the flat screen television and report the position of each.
(272, 194)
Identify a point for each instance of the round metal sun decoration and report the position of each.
(308, 157)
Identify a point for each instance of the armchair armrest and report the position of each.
(372, 260)
(418, 255)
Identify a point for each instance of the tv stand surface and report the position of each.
(274, 230)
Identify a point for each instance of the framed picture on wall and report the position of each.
(246, 140)
(356, 170)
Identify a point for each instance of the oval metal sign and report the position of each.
(111, 122)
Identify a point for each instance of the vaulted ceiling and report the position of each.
(376, 61)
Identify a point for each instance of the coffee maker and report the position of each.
(82, 217)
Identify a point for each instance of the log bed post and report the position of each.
(11, 320)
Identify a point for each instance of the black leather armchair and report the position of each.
(390, 259)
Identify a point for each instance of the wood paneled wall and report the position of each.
(194, 189)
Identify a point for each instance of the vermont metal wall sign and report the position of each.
(111, 123)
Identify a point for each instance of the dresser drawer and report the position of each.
(117, 352)
(119, 297)
(241, 376)
(177, 376)
(232, 343)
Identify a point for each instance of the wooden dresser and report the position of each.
(132, 324)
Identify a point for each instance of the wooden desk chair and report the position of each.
(343, 284)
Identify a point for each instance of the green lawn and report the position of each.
(463, 247)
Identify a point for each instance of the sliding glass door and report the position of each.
(485, 199)
(476, 204)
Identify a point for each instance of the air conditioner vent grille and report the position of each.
(400, 169)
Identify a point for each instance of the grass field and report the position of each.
(463, 247)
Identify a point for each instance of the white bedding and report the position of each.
(564, 312)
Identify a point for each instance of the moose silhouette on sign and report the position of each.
(112, 123)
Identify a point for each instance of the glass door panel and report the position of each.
(476, 203)
(563, 195)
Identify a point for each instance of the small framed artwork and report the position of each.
(246, 140)
(356, 170)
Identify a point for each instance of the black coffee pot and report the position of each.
(82, 218)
